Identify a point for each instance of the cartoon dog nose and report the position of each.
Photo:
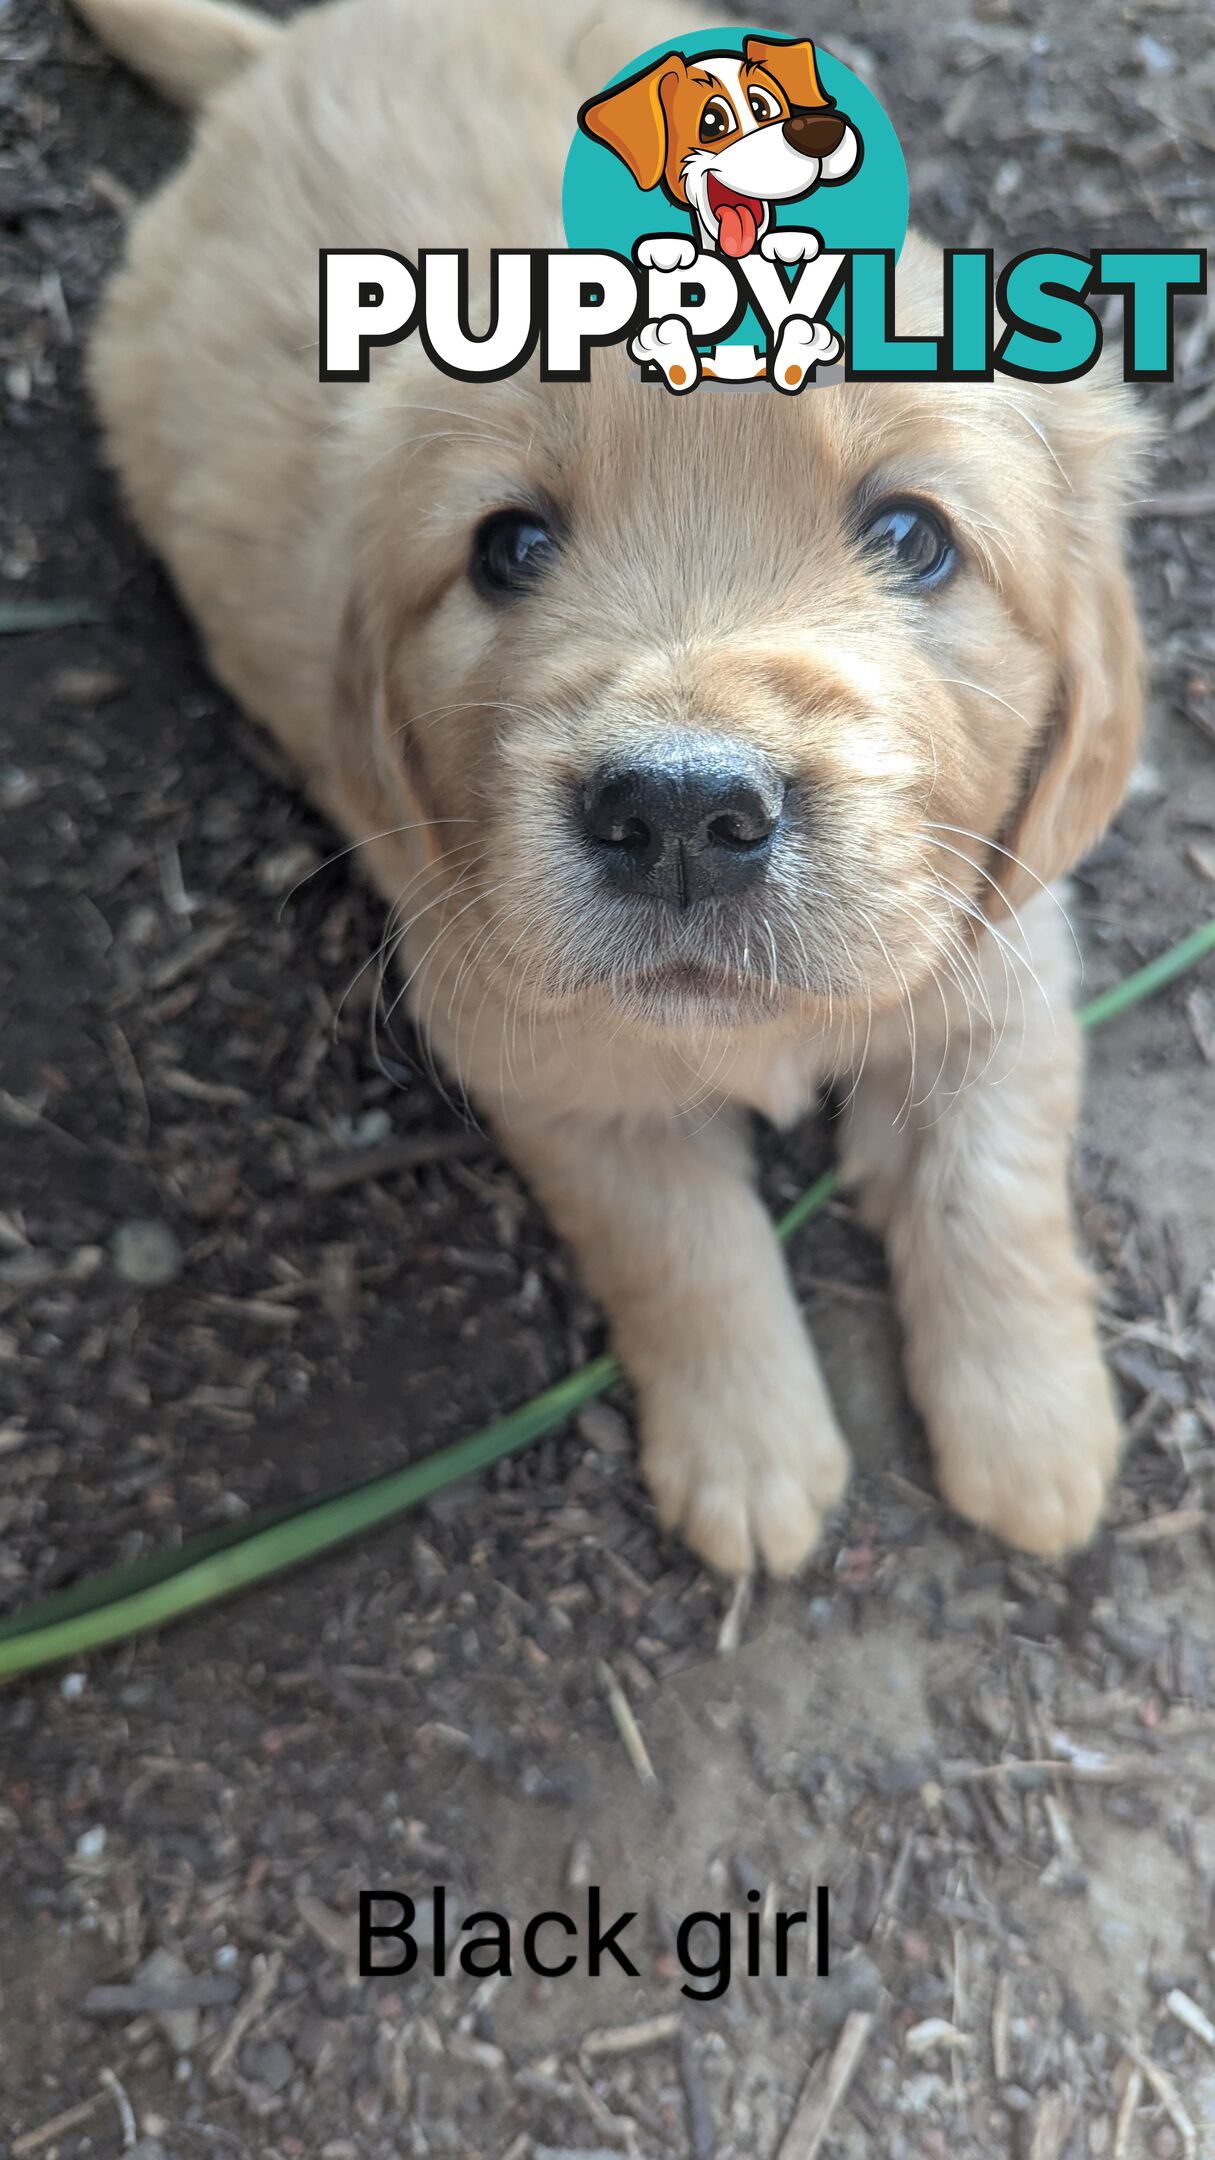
(692, 820)
(815, 134)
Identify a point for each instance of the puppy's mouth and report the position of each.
(739, 217)
(684, 991)
(688, 979)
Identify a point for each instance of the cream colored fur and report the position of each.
(955, 751)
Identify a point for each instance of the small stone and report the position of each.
(1145, 784)
(146, 1254)
(604, 1428)
(86, 686)
(91, 1843)
(579, 1864)
(1131, 1640)
(1039, 1620)
(428, 1564)
(370, 1129)
(269, 2063)
(899, 1776)
(146, 2148)
(854, 1984)
(72, 1686)
(1157, 58)
(161, 1973)
(286, 867)
(18, 787)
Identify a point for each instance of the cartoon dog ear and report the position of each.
(631, 119)
(792, 62)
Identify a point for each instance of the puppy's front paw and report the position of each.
(744, 1465)
(666, 345)
(803, 347)
(1027, 1447)
(790, 244)
(665, 251)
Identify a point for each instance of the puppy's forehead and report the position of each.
(745, 495)
(615, 443)
(726, 67)
(720, 494)
(750, 448)
(634, 471)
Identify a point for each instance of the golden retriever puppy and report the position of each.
(709, 751)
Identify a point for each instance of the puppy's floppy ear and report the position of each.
(792, 62)
(631, 119)
(371, 765)
(1080, 771)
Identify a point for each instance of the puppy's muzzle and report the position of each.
(693, 818)
(814, 134)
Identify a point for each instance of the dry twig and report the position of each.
(126, 2113)
(825, 2089)
(32, 2141)
(391, 1160)
(629, 2039)
(627, 1726)
(1167, 2094)
(247, 2016)
(1128, 2108)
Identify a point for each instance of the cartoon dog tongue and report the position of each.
(737, 227)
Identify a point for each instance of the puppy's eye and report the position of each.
(511, 552)
(764, 107)
(716, 120)
(912, 540)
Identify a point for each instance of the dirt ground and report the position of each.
(182, 1048)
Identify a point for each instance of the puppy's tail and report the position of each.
(188, 48)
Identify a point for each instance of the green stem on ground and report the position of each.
(128, 1601)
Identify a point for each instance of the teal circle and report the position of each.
(603, 207)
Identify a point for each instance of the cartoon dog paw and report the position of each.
(802, 347)
(666, 345)
(665, 251)
(787, 244)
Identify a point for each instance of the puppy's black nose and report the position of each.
(694, 819)
(815, 134)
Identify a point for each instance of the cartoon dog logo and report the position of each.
(726, 136)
